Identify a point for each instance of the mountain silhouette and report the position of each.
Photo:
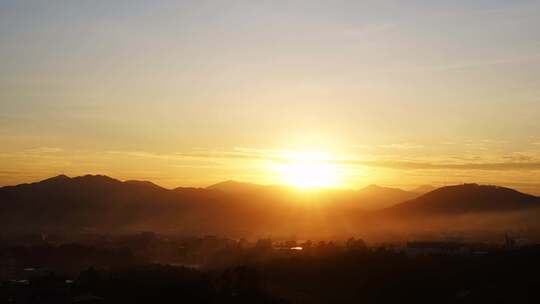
(234, 186)
(466, 198)
(423, 189)
(369, 198)
(97, 203)
(376, 197)
(85, 201)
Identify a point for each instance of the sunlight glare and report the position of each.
(307, 170)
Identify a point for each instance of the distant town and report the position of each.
(57, 267)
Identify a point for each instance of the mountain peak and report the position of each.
(423, 189)
(373, 187)
(472, 189)
(96, 177)
(467, 198)
(377, 188)
(56, 179)
(234, 186)
(89, 178)
(225, 183)
(142, 183)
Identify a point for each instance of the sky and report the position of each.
(190, 93)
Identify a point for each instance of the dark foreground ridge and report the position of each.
(149, 268)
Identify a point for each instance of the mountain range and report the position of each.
(100, 203)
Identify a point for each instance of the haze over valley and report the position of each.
(97, 203)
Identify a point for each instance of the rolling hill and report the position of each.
(466, 198)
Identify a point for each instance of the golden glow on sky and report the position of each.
(192, 93)
(307, 170)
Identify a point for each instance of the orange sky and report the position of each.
(193, 93)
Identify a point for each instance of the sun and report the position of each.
(308, 170)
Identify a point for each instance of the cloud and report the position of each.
(409, 165)
(482, 63)
(239, 153)
(9, 173)
(358, 146)
(402, 146)
(520, 161)
(144, 154)
(521, 157)
(515, 161)
(44, 150)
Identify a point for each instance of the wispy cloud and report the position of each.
(402, 146)
(44, 150)
(144, 154)
(514, 161)
(408, 165)
(482, 63)
(359, 146)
